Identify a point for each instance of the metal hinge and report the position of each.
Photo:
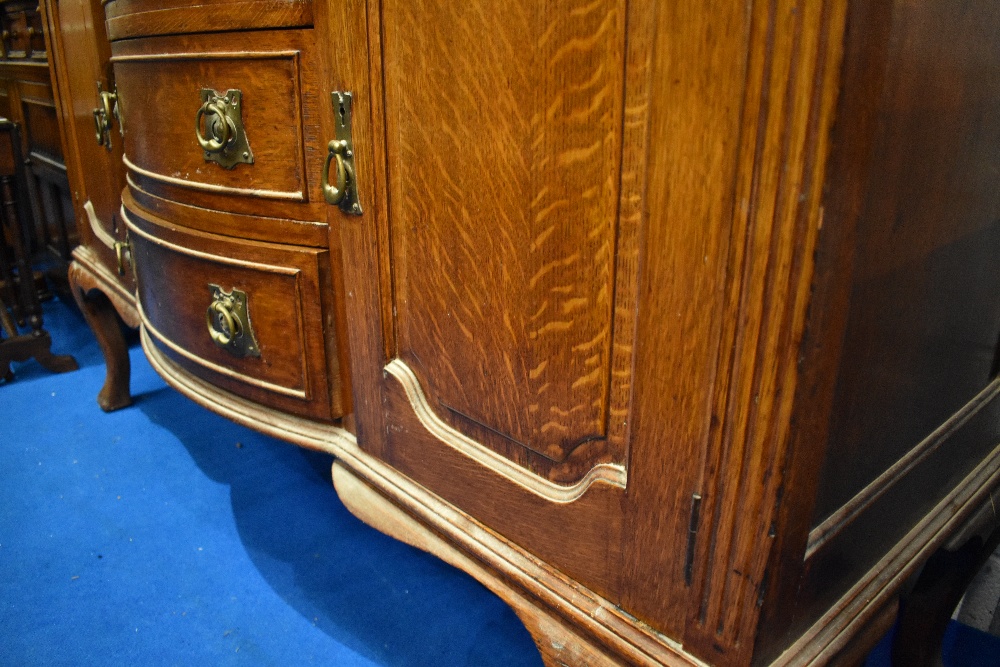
(692, 534)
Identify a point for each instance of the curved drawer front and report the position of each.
(171, 91)
(140, 18)
(242, 315)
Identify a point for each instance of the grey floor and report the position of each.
(980, 608)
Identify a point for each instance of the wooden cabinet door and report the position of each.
(569, 306)
(80, 55)
(506, 214)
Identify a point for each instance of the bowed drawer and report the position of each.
(240, 314)
(225, 134)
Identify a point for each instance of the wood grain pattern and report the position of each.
(128, 19)
(283, 112)
(505, 170)
(793, 64)
(899, 334)
(101, 297)
(697, 72)
(556, 609)
(594, 235)
(26, 85)
(312, 233)
(99, 312)
(159, 91)
(606, 473)
(926, 247)
(174, 270)
(77, 36)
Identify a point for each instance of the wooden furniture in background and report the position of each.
(675, 325)
(100, 275)
(26, 97)
(19, 303)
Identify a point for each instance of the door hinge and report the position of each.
(692, 535)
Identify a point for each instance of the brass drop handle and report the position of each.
(223, 326)
(344, 191)
(120, 249)
(107, 97)
(218, 124)
(103, 115)
(99, 126)
(338, 151)
(229, 324)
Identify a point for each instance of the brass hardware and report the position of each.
(341, 150)
(338, 152)
(224, 140)
(103, 115)
(228, 320)
(121, 249)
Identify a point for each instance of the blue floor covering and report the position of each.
(163, 534)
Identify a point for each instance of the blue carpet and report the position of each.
(163, 534)
(962, 647)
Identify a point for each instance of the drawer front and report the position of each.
(246, 316)
(128, 19)
(270, 163)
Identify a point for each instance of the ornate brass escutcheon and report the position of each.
(223, 140)
(228, 321)
(344, 191)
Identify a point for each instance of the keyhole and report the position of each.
(343, 113)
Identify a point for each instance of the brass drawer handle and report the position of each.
(224, 140)
(219, 125)
(223, 326)
(228, 321)
(338, 151)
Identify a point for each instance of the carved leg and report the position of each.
(103, 321)
(559, 644)
(925, 613)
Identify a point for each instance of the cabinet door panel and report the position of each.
(504, 136)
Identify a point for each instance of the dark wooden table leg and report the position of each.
(926, 611)
(103, 321)
(37, 343)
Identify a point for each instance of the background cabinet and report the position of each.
(27, 98)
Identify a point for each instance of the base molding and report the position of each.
(558, 643)
(571, 625)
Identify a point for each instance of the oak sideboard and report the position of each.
(674, 323)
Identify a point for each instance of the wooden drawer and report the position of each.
(140, 18)
(160, 83)
(284, 357)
